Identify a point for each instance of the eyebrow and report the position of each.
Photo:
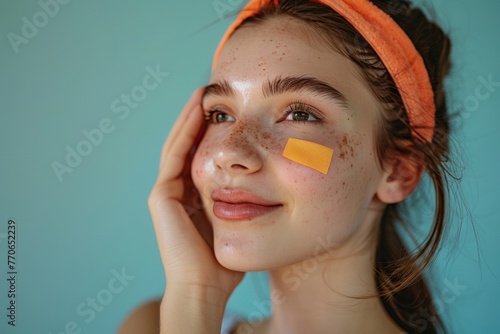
(282, 85)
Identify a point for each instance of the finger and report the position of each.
(176, 234)
(193, 102)
(176, 157)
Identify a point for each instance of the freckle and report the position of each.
(281, 59)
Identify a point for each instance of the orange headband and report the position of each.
(392, 45)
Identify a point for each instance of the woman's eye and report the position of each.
(218, 117)
(300, 112)
(300, 116)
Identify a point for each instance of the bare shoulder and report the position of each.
(145, 319)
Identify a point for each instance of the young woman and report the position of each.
(318, 123)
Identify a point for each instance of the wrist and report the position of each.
(201, 295)
(194, 309)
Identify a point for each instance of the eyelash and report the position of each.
(297, 106)
(209, 113)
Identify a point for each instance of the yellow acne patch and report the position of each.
(309, 154)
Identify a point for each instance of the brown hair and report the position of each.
(398, 272)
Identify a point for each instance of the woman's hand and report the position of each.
(183, 231)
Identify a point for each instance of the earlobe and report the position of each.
(400, 179)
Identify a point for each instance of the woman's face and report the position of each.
(274, 82)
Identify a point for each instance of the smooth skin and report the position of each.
(205, 257)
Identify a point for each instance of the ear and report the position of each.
(402, 175)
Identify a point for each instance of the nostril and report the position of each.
(238, 166)
(235, 159)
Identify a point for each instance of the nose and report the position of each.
(238, 153)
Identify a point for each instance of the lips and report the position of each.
(236, 204)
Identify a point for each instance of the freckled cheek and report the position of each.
(299, 177)
(355, 171)
(325, 197)
(353, 154)
(270, 145)
(312, 193)
(342, 176)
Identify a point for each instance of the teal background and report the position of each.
(72, 234)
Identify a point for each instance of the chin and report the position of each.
(235, 259)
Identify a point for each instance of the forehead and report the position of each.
(281, 46)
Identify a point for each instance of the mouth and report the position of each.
(236, 204)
